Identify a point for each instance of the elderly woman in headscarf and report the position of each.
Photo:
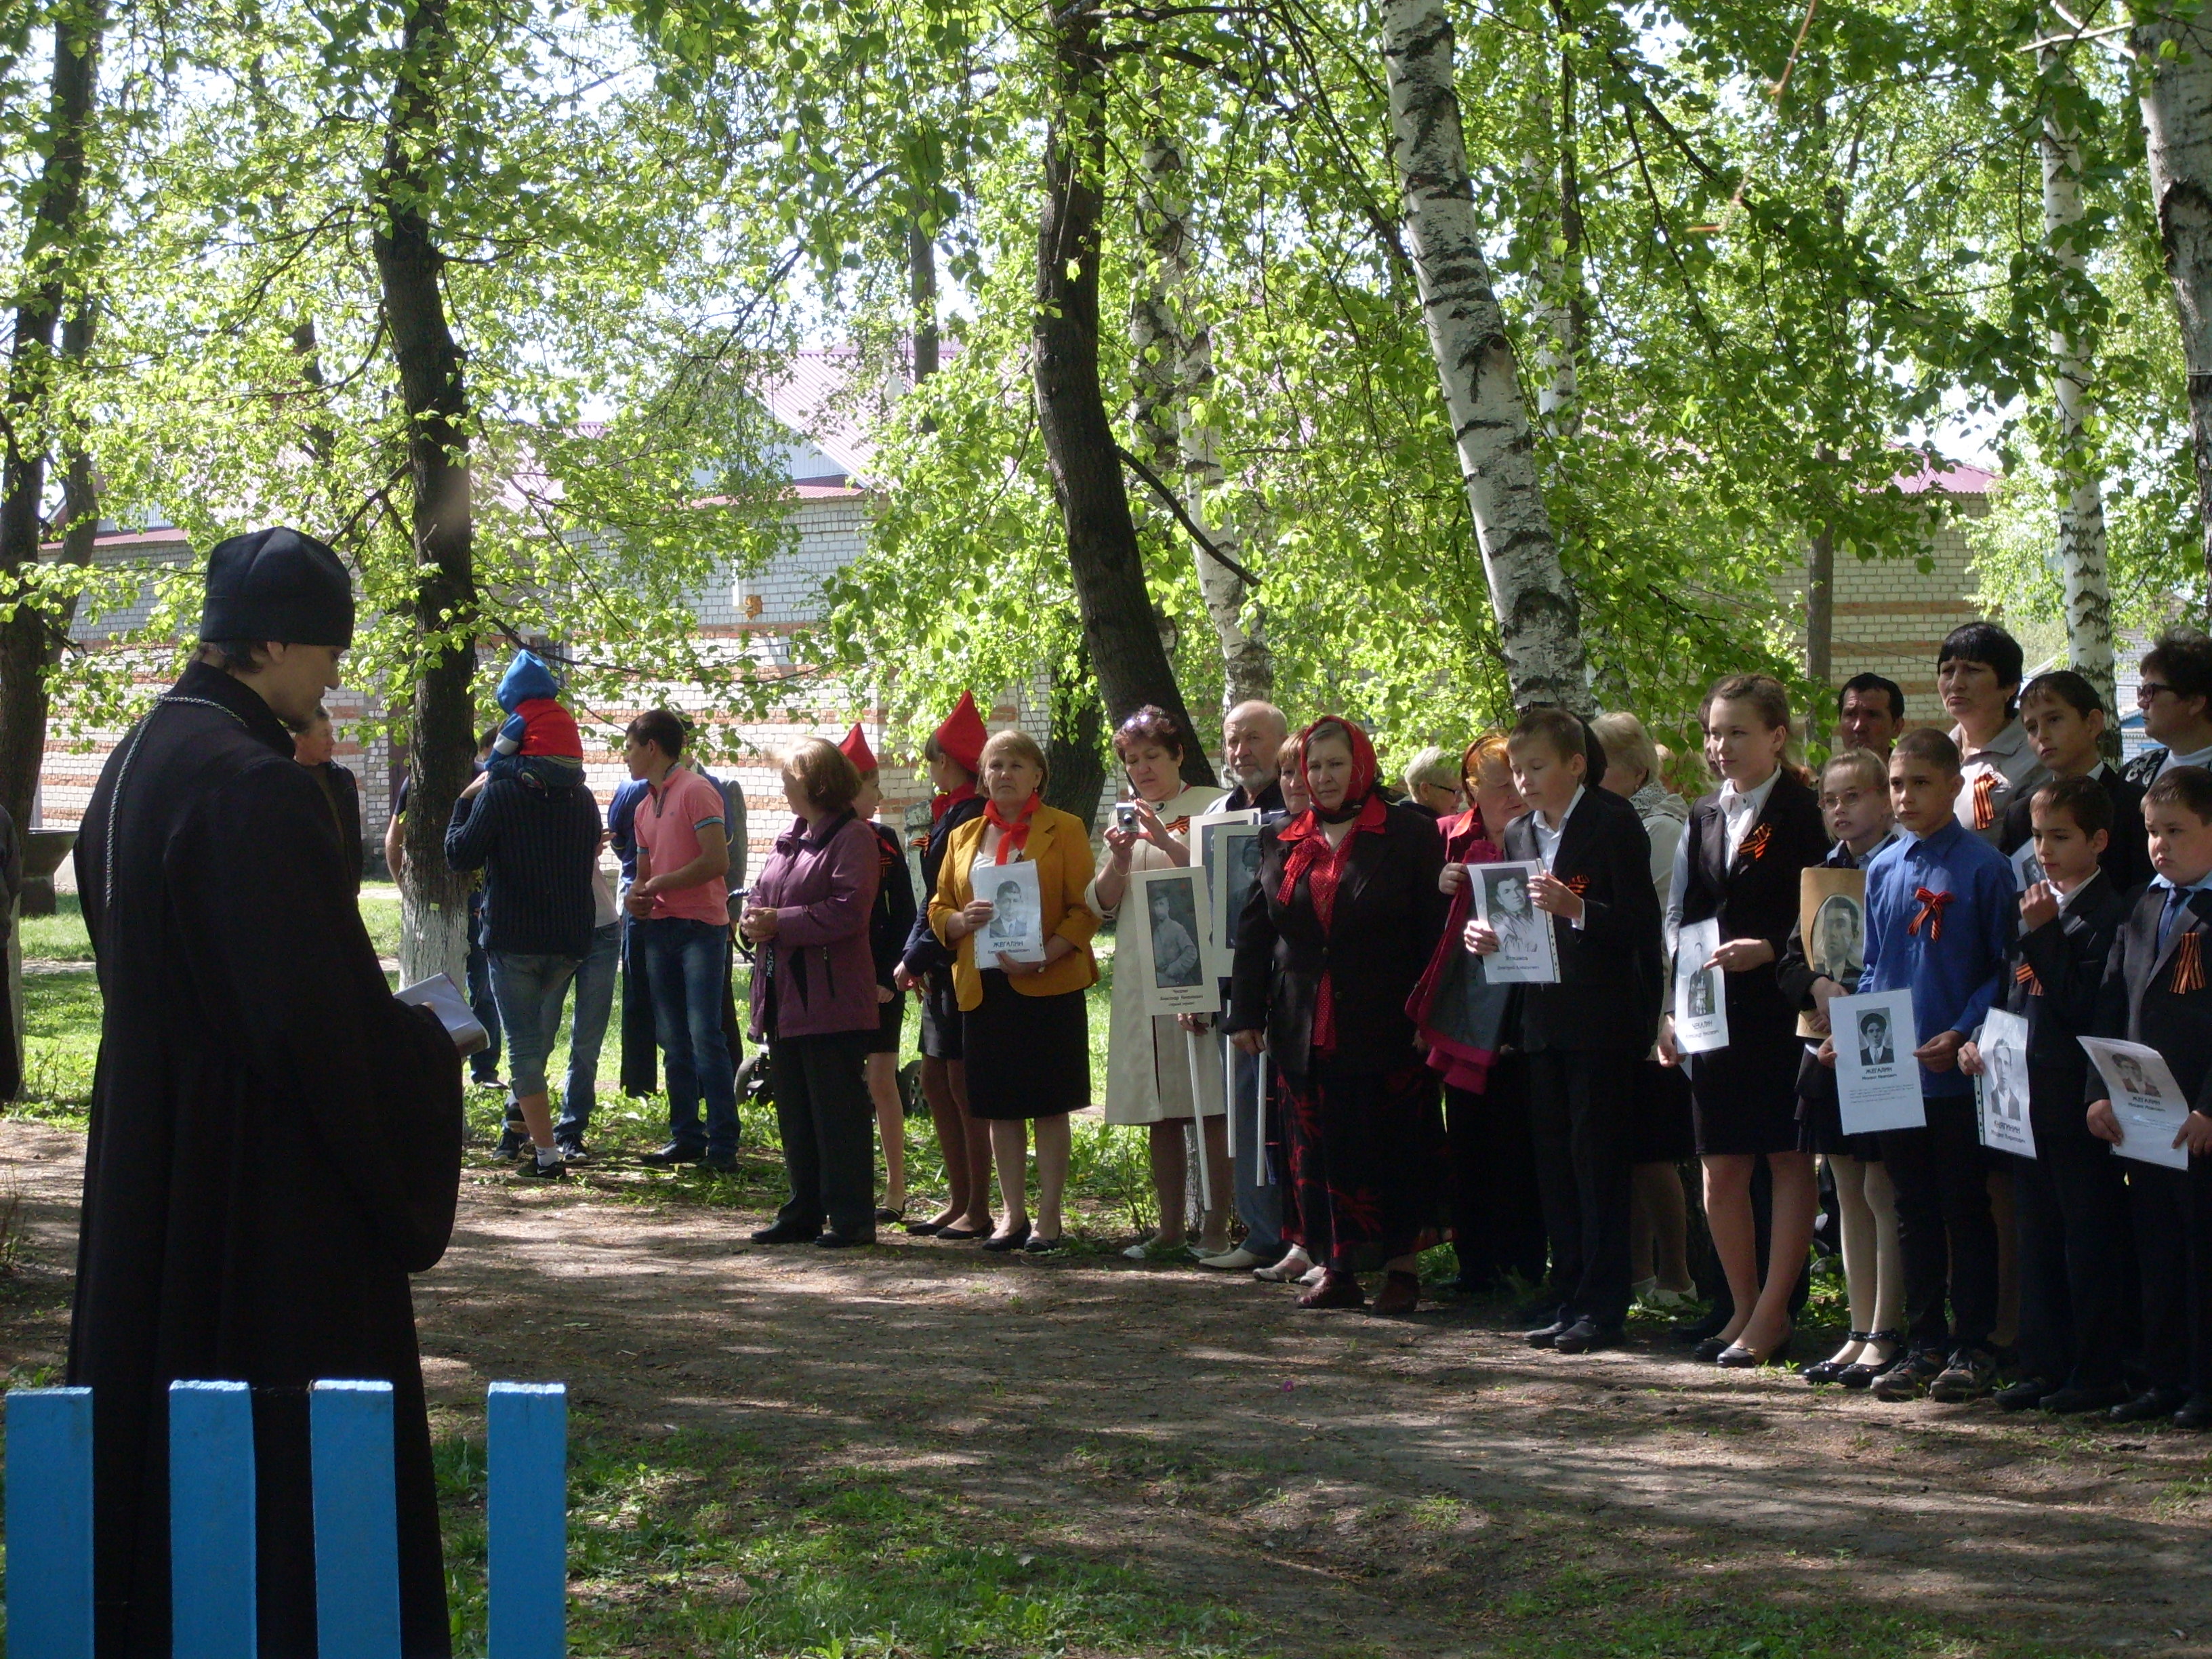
(1346, 914)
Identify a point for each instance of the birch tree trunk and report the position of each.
(1103, 557)
(1560, 309)
(921, 295)
(52, 249)
(2081, 494)
(2176, 112)
(434, 900)
(1538, 620)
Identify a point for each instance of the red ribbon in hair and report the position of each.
(2188, 965)
(1985, 800)
(1931, 912)
(1311, 857)
(1014, 834)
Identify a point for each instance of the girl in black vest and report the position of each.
(1739, 861)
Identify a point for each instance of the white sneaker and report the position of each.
(1232, 1261)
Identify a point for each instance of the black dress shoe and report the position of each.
(844, 1241)
(786, 1232)
(1710, 1349)
(2150, 1404)
(2196, 1413)
(673, 1154)
(1007, 1241)
(1702, 1329)
(2028, 1391)
(1584, 1334)
(923, 1229)
(1546, 1335)
(719, 1163)
(2078, 1397)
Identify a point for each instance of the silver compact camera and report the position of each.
(1125, 814)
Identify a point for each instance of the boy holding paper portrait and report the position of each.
(2154, 992)
(2069, 1201)
(1939, 924)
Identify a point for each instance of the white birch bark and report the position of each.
(2081, 494)
(1538, 620)
(433, 939)
(1173, 368)
(2176, 112)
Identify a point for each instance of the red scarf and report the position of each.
(943, 804)
(1312, 858)
(1014, 834)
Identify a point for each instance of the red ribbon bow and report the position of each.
(1931, 912)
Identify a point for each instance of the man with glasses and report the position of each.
(2176, 699)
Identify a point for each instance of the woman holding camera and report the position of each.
(814, 999)
(1022, 1025)
(1148, 1067)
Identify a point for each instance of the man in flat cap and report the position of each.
(275, 1143)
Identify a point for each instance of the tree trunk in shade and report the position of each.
(1539, 619)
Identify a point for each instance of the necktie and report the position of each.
(2175, 898)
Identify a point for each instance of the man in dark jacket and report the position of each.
(315, 748)
(275, 1143)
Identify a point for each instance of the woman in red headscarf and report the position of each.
(1347, 912)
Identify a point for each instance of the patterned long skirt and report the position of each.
(1368, 1163)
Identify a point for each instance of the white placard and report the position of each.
(2146, 1099)
(1877, 1079)
(1701, 993)
(2026, 868)
(1162, 915)
(443, 998)
(1229, 851)
(2003, 1086)
(1016, 928)
(1527, 954)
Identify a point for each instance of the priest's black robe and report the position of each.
(274, 1148)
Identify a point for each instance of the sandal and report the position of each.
(1861, 1373)
(1827, 1371)
(1335, 1291)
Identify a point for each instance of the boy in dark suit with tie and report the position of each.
(1585, 1035)
(2065, 719)
(2154, 994)
(2069, 1201)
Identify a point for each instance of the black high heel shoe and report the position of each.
(1828, 1370)
(1862, 1374)
(1710, 1349)
(1737, 1358)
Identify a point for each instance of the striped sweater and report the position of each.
(539, 851)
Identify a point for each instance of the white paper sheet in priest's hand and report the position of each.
(443, 998)
(1877, 1079)
(1701, 993)
(2146, 1099)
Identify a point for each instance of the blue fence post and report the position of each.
(211, 1562)
(49, 1523)
(527, 1514)
(356, 1521)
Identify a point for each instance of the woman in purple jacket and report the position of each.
(814, 1000)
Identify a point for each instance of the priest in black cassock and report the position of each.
(276, 1142)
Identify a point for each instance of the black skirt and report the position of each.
(1027, 1056)
(1820, 1122)
(890, 1025)
(940, 1015)
(1662, 1130)
(1744, 1095)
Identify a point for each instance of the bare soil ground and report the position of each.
(1333, 1484)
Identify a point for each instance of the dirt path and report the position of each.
(1349, 1484)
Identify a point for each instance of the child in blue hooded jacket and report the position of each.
(539, 738)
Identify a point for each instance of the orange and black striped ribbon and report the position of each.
(2188, 965)
(2025, 974)
(1985, 800)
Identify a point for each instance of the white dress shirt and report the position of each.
(1740, 811)
(1547, 839)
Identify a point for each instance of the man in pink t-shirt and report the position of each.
(682, 935)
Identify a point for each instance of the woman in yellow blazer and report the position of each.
(1024, 1025)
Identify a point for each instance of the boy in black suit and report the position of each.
(2154, 992)
(2064, 717)
(1584, 1035)
(2069, 1201)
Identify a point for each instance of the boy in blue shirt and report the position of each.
(1939, 919)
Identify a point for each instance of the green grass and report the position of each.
(701, 1544)
(60, 937)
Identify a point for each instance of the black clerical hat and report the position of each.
(277, 584)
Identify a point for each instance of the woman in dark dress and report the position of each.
(955, 755)
(1346, 914)
(1739, 863)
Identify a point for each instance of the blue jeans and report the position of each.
(531, 990)
(483, 1064)
(684, 968)
(595, 1002)
(1259, 1201)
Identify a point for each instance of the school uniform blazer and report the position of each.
(1389, 914)
(2126, 857)
(2057, 974)
(1610, 974)
(1755, 896)
(2138, 1002)
(1060, 846)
